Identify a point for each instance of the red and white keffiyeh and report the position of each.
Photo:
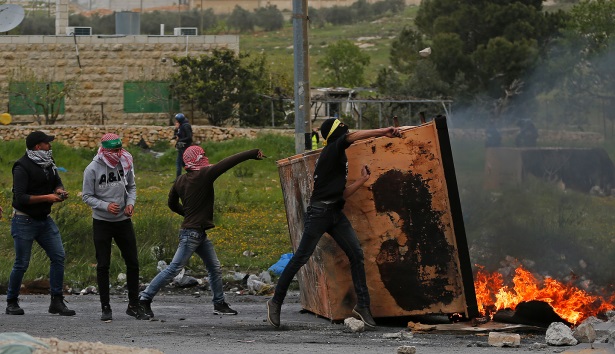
(195, 159)
(112, 157)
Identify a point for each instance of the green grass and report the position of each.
(279, 45)
(555, 229)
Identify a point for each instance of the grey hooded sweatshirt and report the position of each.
(103, 185)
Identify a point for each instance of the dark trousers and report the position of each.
(179, 162)
(123, 234)
(318, 220)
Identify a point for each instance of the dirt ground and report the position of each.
(185, 324)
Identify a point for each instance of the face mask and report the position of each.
(337, 133)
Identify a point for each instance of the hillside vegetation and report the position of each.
(373, 37)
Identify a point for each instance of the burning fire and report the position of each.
(569, 302)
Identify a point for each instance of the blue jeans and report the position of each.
(25, 230)
(190, 241)
(329, 219)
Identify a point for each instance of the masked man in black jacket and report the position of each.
(36, 187)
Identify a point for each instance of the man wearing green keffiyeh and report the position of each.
(109, 189)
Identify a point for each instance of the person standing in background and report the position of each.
(183, 137)
(315, 139)
(109, 189)
(36, 187)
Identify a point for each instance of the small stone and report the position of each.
(559, 334)
(585, 333)
(497, 339)
(396, 335)
(354, 325)
(538, 346)
(406, 349)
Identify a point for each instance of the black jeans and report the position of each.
(124, 235)
(318, 220)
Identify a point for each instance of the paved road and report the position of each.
(185, 324)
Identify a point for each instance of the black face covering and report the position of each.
(337, 133)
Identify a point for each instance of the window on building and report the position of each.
(149, 97)
(34, 98)
(334, 109)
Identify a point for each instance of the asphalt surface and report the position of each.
(185, 323)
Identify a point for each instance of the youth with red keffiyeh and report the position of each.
(192, 196)
(109, 189)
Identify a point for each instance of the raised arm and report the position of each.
(390, 132)
(231, 161)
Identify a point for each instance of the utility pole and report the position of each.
(201, 13)
(303, 126)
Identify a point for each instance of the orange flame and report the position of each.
(571, 303)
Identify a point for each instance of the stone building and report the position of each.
(118, 79)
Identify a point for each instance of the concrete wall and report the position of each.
(106, 63)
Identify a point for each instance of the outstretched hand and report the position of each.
(260, 156)
(393, 132)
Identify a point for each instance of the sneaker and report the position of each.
(137, 311)
(223, 309)
(364, 315)
(147, 307)
(107, 315)
(273, 313)
(12, 307)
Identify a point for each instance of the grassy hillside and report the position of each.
(375, 37)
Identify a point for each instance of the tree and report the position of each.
(269, 18)
(490, 44)
(226, 86)
(39, 94)
(345, 64)
(35, 23)
(241, 20)
(404, 50)
(590, 45)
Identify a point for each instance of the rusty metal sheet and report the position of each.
(410, 229)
